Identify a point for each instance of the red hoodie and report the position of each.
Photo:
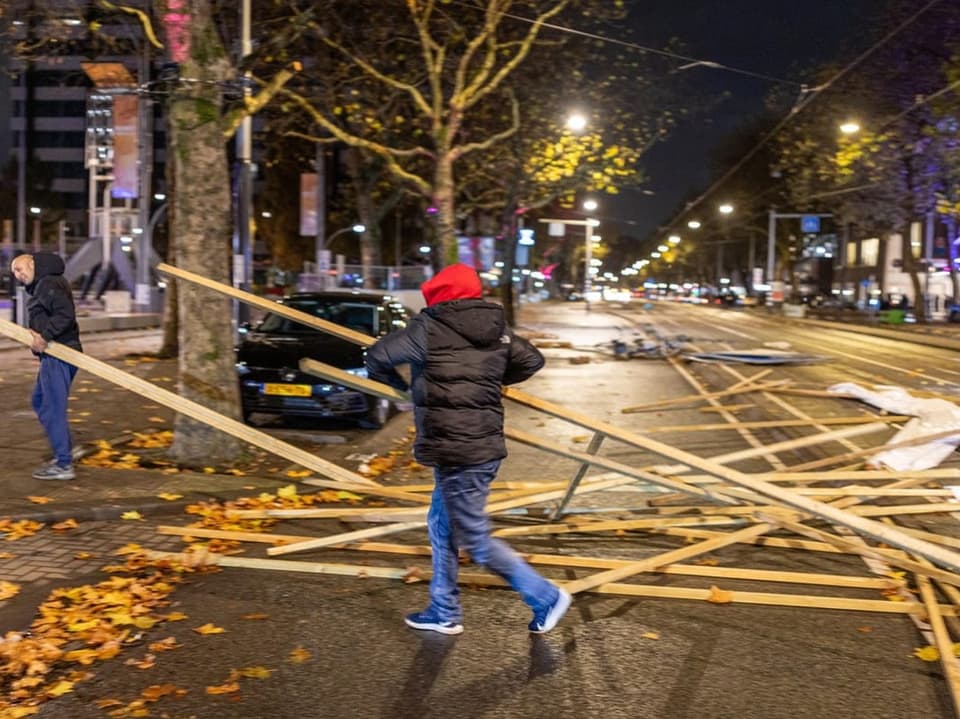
(456, 282)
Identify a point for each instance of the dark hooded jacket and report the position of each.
(460, 353)
(50, 309)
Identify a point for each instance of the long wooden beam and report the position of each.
(645, 565)
(496, 507)
(341, 478)
(860, 453)
(633, 590)
(270, 305)
(744, 389)
(773, 424)
(558, 560)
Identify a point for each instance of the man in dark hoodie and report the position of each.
(51, 318)
(461, 353)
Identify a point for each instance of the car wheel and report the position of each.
(378, 412)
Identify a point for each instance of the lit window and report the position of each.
(870, 252)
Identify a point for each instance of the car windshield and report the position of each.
(359, 316)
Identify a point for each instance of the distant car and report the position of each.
(268, 357)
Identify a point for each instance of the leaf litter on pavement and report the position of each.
(85, 625)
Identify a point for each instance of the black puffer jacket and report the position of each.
(460, 354)
(50, 309)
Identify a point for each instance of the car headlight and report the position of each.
(358, 372)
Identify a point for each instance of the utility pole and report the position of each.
(323, 254)
(143, 296)
(242, 250)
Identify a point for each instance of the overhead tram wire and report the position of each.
(799, 107)
(691, 61)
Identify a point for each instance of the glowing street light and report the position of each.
(850, 127)
(662, 248)
(694, 224)
(590, 205)
(674, 239)
(576, 122)
(726, 208)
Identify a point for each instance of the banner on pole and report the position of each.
(126, 147)
(308, 204)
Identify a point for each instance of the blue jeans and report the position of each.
(458, 518)
(49, 401)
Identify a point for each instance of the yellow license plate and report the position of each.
(288, 390)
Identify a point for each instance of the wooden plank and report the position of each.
(854, 491)
(613, 525)
(779, 542)
(858, 475)
(675, 555)
(361, 571)
(402, 526)
(560, 560)
(894, 509)
(699, 398)
(944, 643)
(362, 384)
(799, 442)
(752, 379)
(344, 537)
(341, 478)
(249, 298)
(325, 512)
(839, 459)
(773, 424)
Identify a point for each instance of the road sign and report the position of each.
(810, 223)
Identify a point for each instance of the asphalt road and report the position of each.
(612, 656)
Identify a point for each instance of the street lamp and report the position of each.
(850, 127)
(323, 255)
(694, 224)
(576, 122)
(726, 208)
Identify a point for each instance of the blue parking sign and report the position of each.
(810, 223)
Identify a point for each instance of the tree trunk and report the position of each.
(201, 225)
(446, 219)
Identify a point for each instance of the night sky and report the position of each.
(786, 39)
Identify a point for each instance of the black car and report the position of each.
(269, 354)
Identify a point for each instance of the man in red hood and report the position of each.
(461, 353)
